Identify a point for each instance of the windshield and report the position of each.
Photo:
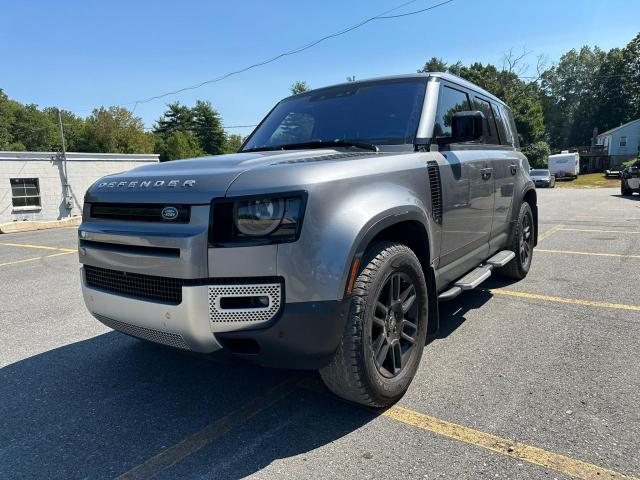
(381, 113)
(539, 173)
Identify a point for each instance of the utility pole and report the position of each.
(68, 201)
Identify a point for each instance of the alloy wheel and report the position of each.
(526, 239)
(395, 325)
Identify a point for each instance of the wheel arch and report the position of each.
(410, 228)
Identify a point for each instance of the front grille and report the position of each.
(163, 289)
(165, 338)
(139, 212)
(145, 287)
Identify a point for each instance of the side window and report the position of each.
(450, 101)
(512, 125)
(503, 129)
(485, 107)
(623, 141)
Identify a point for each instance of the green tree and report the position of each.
(434, 64)
(73, 126)
(178, 145)
(117, 130)
(631, 55)
(299, 87)
(538, 154)
(233, 143)
(207, 127)
(177, 118)
(33, 129)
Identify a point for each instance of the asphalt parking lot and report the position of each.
(535, 379)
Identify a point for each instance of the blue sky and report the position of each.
(81, 54)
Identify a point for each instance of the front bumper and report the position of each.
(300, 335)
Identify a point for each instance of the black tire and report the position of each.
(522, 245)
(353, 373)
(624, 189)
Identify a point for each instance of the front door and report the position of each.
(468, 189)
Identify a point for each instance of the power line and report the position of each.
(380, 16)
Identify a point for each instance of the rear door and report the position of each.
(505, 168)
(468, 191)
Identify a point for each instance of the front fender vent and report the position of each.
(435, 185)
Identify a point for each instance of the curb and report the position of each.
(30, 225)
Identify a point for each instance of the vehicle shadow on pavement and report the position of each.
(628, 197)
(453, 313)
(99, 407)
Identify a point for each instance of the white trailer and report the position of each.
(565, 164)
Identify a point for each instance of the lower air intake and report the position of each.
(268, 300)
(169, 339)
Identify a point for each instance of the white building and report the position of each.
(33, 184)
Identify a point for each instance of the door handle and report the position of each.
(514, 168)
(486, 173)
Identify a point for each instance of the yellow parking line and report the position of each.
(574, 301)
(503, 446)
(549, 232)
(597, 230)
(596, 254)
(33, 259)
(42, 247)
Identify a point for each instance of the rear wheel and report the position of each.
(386, 330)
(624, 189)
(522, 245)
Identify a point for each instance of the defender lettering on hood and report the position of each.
(147, 184)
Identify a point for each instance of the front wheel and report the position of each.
(386, 330)
(624, 189)
(522, 245)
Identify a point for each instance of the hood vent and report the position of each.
(334, 156)
(435, 185)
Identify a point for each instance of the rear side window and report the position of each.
(512, 126)
(485, 107)
(450, 101)
(506, 138)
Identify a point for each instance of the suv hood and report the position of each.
(197, 180)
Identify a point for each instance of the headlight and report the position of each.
(260, 217)
(258, 220)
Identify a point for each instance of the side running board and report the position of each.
(475, 277)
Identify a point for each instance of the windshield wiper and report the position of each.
(316, 144)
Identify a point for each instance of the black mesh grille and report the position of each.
(436, 191)
(158, 289)
(134, 212)
(146, 287)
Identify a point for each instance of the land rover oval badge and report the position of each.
(169, 213)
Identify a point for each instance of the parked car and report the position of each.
(613, 171)
(543, 178)
(630, 179)
(565, 164)
(328, 240)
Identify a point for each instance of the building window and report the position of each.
(25, 192)
(623, 141)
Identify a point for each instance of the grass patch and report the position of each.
(589, 180)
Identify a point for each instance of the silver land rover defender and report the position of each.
(327, 241)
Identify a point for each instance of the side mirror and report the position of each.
(468, 126)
